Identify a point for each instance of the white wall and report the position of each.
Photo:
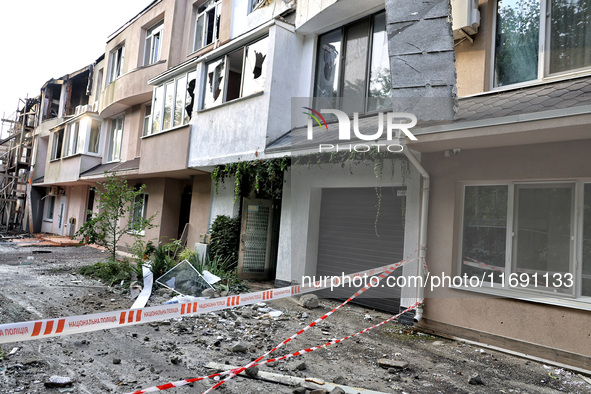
(241, 129)
(300, 212)
(222, 201)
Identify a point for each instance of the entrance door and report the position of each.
(61, 213)
(258, 246)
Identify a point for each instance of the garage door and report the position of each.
(351, 239)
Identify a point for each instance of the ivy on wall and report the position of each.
(264, 178)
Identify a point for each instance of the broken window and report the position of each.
(115, 139)
(352, 66)
(207, 23)
(153, 46)
(51, 101)
(173, 103)
(238, 74)
(95, 137)
(57, 146)
(99, 85)
(254, 4)
(116, 62)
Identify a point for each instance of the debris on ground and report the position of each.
(140, 356)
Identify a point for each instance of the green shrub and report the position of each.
(109, 272)
(161, 261)
(225, 240)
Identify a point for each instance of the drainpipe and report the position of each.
(423, 221)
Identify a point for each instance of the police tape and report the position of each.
(234, 372)
(31, 330)
(237, 371)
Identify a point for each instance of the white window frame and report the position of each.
(115, 138)
(543, 53)
(147, 125)
(49, 206)
(226, 71)
(89, 133)
(574, 299)
(54, 145)
(71, 139)
(152, 54)
(174, 83)
(214, 6)
(144, 210)
(116, 58)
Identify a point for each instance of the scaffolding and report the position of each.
(16, 152)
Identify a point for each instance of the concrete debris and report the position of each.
(58, 381)
(309, 301)
(301, 367)
(476, 380)
(337, 390)
(387, 363)
(252, 372)
(240, 347)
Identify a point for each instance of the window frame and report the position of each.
(144, 214)
(115, 133)
(57, 146)
(157, 30)
(342, 60)
(225, 57)
(116, 58)
(543, 74)
(210, 5)
(574, 298)
(49, 207)
(71, 139)
(154, 105)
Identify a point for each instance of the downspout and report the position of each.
(423, 222)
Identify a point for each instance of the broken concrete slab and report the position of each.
(309, 301)
(387, 363)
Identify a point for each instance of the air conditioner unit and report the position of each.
(465, 18)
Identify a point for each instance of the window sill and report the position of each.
(54, 160)
(582, 303)
(165, 131)
(227, 103)
(140, 233)
(535, 82)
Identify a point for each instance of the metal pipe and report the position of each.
(423, 221)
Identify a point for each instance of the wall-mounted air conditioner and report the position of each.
(465, 18)
(82, 109)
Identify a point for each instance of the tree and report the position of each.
(116, 201)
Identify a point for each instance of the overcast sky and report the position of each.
(46, 39)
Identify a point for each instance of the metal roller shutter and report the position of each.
(348, 241)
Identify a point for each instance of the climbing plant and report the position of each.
(265, 178)
(262, 177)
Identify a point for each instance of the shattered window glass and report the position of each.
(190, 99)
(214, 83)
(255, 67)
(184, 279)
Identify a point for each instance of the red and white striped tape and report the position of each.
(284, 357)
(25, 331)
(234, 372)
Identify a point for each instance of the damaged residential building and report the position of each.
(496, 184)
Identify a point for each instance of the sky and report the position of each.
(46, 39)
